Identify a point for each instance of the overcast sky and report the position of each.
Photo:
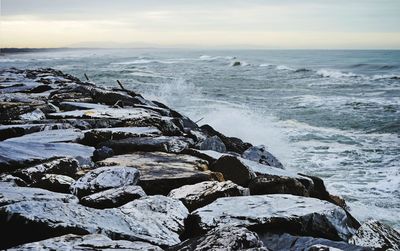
(360, 24)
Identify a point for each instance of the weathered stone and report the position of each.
(287, 213)
(161, 172)
(201, 194)
(271, 184)
(376, 235)
(261, 155)
(35, 115)
(50, 136)
(101, 153)
(223, 238)
(113, 197)
(11, 131)
(55, 183)
(149, 144)
(71, 106)
(86, 242)
(104, 178)
(209, 155)
(10, 194)
(213, 143)
(289, 242)
(15, 181)
(14, 155)
(157, 219)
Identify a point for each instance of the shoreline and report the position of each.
(115, 150)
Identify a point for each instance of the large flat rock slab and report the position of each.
(10, 131)
(110, 113)
(161, 172)
(157, 219)
(50, 136)
(300, 215)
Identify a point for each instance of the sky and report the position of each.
(272, 24)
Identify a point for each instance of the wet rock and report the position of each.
(213, 143)
(55, 183)
(104, 178)
(232, 144)
(96, 136)
(161, 172)
(376, 235)
(15, 155)
(149, 144)
(157, 219)
(261, 155)
(10, 194)
(86, 242)
(50, 136)
(286, 213)
(102, 153)
(287, 242)
(201, 194)
(271, 184)
(113, 197)
(223, 238)
(236, 63)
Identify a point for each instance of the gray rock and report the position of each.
(50, 136)
(10, 131)
(10, 194)
(161, 172)
(261, 155)
(15, 181)
(35, 115)
(149, 144)
(55, 183)
(14, 155)
(377, 235)
(287, 242)
(157, 219)
(213, 143)
(86, 242)
(104, 178)
(113, 197)
(223, 238)
(300, 215)
(102, 153)
(272, 184)
(107, 113)
(209, 155)
(201, 194)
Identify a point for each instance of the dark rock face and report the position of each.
(261, 155)
(55, 183)
(113, 197)
(157, 220)
(272, 184)
(208, 155)
(376, 235)
(102, 153)
(232, 144)
(161, 172)
(201, 194)
(104, 178)
(287, 242)
(213, 143)
(86, 242)
(287, 213)
(223, 238)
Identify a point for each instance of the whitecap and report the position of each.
(284, 68)
(326, 73)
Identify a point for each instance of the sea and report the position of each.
(334, 114)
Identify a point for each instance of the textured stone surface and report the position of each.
(271, 184)
(301, 215)
(213, 143)
(54, 182)
(261, 155)
(50, 136)
(201, 194)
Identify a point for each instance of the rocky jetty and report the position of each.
(84, 167)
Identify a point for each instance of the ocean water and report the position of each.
(333, 114)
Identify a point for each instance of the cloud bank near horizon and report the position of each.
(359, 24)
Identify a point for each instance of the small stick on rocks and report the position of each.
(120, 84)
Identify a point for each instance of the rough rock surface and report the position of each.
(104, 178)
(201, 194)
(86, 242)
(273, 184)
(299, 215)
(158, 220)
(376, 235)
(113, 197)
(261, 155)
(223, 238)
(213, 143)
(55, 183)
(161, 172)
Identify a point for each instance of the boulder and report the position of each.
(114, 197)
(209, 155)
(13, 180)
(223, 238)
(102, 153)
(286, 213)
(104, 178)
(158, 220)
(55, 183)
(50, 136)
(149, 144)
(161, 172)
(11, 131)
(261, 155)
(272, 184)
(35, 115)
(376, 235)
(288, 242)
(15, 155)
(86, 242)
(213, 143)
(203, 193)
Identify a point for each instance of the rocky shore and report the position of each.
(88, 168)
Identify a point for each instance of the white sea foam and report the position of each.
(266, 65)
(327, 73)
(284, 68)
